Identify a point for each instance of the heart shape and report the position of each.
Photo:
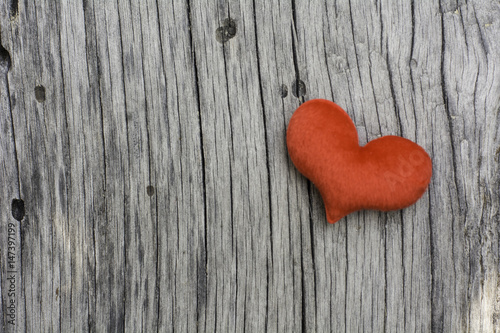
(388, 173)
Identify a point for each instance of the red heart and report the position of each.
(388, 173)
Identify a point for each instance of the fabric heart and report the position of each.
(388, 173)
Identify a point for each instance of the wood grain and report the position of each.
(147, 142)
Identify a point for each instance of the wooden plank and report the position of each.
(147, 140)
(109, 229)
(47, 258)
(177, 158)
(473, 105)
(291, 292)
(9, 228)
(236, 176)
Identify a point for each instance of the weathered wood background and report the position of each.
(147, 142)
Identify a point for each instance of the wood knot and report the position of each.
(226, 31)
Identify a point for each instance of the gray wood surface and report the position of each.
(147, 142)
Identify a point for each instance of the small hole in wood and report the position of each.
(298, 88)
(284, 91)
(14, 8)
(17, 209)
(4, 60)
(40, 93)
(150, 190)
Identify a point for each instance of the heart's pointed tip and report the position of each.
(333, 215)
(330, 221)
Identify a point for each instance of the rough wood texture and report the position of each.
(147, 141)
